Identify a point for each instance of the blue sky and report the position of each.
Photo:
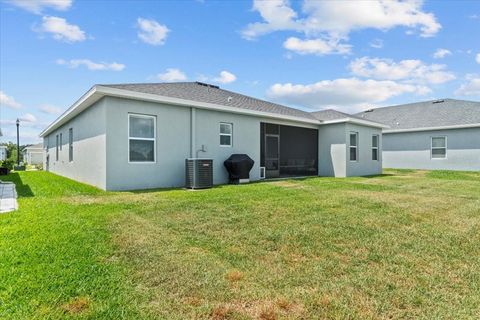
(309, 54)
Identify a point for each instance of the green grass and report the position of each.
(401, 245)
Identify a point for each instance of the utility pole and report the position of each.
(18, 143)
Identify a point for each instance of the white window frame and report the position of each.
(70, 144)
(154, 139)
(56, 148)
(61, 141)
(350, 145)
(431, 148)
(226, 134)
(377, 147)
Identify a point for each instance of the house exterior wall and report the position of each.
(89, 148)
(411, 150)
(332, 150)
(364, 166)
(3, 153)
(172, 146)
(246, 139)
(33, 156)
(101, 145)
(174, 143)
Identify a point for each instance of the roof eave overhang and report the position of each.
(357, 121)
(98, 92)
(460, 126)
(85, 101)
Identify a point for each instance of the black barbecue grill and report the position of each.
(238, 167)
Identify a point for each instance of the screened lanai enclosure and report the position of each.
(287, 151)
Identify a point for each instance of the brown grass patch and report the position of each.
(193, 301)
(268, 314)
(234, 276)
(77, 305)
(221, 312)
(284, 304)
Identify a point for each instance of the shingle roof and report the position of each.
(34, 146)
(200, 92)
(331, 114)
(428, 114)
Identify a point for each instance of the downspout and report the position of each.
(193, 112)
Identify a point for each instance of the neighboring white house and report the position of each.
(3, 153)
(137, 136)
(33, 154)
(439, 134)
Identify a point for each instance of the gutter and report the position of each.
(357, 121)
(459, 126)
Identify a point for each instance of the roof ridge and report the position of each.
(418, 102)
(303, 113)
(258, 99)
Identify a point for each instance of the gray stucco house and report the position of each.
(437, 134)
(33, 154)
(137, 136)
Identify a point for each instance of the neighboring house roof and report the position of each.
(34, 147)
(330, 116)
(191, 94)
(428, 115)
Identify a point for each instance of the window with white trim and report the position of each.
(61, 141)
(226, 134)
(439, 147)
(353, 149)
(70, 144)
(375, 147)
(141, 138)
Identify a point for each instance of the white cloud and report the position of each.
(441, 53)
(376, 43)
(478, 58)
(225, 77)
(346, 16)
(334, 20)
(316, 46)
(152, 32)
(172, 75)
(277, 15)
(37, 6)
(90, 65)
(9, 101)
(27, 135)
(28, 117)
(61, 30)
(350, 93)
(471, 87)
(49, 109)
(407, 70)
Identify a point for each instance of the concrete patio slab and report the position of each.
(8, 197)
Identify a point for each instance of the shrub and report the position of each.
(8, 163)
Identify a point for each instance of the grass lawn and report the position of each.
(402, 245)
